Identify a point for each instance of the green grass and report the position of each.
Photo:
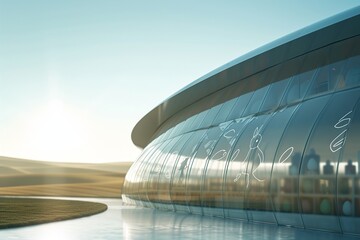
(17, 212)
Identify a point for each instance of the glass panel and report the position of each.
(351, 74)
(250, 174)
(284, 180)
(190, 122)
(131, 173)
(198, 164)
(144, 167)
(348, 180)
(161, 138)
(181, 170)
(164, 130)
(258, 195)
(178, 128)
(209, 118)
(167, 134)
(243, 164)
(163, 188)
(229, 186)
(326, 79)
(298, 87)
(274, 95)
(130, 185)
(256, 101)
(199, 119)
(149, 167)
(224, 111)
(187, 120)
(320, 161)
(240, 105)
(211, 197)
(157, 138)
(154, 170)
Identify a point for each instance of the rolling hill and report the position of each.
(22, 177)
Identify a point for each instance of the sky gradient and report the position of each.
(77, 75)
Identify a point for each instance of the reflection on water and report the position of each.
(128, 222)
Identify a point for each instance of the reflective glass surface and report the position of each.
(274, 95)
(299, 85)
(232, 190)
(240, 105)
(351, 74)
(198, 164)
(285, 153)
(212, 178)
(256, 101)
(224, 111)
(180, 172)
(210, 116)
(320, 160)
(348, 179)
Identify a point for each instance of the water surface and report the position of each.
(129, 222)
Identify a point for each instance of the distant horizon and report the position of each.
(78, 76)
(65, 162)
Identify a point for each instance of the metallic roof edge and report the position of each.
(147, 126)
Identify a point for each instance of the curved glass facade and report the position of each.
(281, 146)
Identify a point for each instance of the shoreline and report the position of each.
(20, 211)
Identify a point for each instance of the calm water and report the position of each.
(128, 222)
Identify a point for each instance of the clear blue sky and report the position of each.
(76, 75)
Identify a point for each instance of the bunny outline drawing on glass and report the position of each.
(253, 149)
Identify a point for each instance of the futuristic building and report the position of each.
(273, 136)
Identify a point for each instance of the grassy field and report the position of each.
(17, 212)
(19, 177)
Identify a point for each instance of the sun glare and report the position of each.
(54, 131)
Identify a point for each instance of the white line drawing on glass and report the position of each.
(231, 136)
(346, 121)
(209, 146)
(235, 154)
(222, 154)
(285, 156)
(338, 142)
(253, 149)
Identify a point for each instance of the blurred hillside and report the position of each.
(21, 177)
